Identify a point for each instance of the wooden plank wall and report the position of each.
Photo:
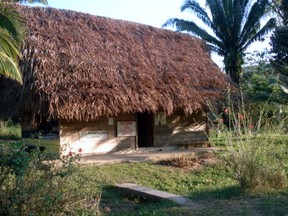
(70, 135)
(181, 129)
(177, 129)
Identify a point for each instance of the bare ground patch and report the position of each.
(189, 161)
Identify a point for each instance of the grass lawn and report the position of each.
(210, 186)
(12, 132)
(50, 145)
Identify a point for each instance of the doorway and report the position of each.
(145, 125)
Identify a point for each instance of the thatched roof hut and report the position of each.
(79, 67)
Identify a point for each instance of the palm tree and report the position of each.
(11, 37)
(11, 34)
(280, 44)
(235, 25)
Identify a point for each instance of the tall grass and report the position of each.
(255, 150)
(9, 130)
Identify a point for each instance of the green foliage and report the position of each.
(280, 48)
(255, 164)
(252, 154)
(9, 130)
(213, 190)
(32, 184)
(260, 82)
(9, 53)
(235, 25)
(12, 34)
(87, 190)
(264, 93)
(280, 44)
(275, 7)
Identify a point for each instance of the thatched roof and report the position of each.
(79, 67)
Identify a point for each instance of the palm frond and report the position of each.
(203, 16)
(11, 36)
(189, 26)
(9, 68)
(7, 45)
(237, 19)
(252, 22)
(198, 10)
(11, 21)
(269, 26)
(227, 6)
(220, 20)
(216, 49)
(235, 25)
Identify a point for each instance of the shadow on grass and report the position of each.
(235, 201)
(227, 201)
(10, 137)
(274, 204)
(114, 202)
(223, 193)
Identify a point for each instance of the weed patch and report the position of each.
(33, 184)
(10, 131)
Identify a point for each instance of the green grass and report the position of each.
(212, 188)
(179, 181)
(50, 145)
(10, 132)
(277, 139)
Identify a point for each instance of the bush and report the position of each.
(254, 155)
(32, 184)
(255, 164)
(9, 130)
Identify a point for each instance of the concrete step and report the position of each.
(136, 190)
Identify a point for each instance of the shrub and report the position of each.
(32, 184)
(252, 154)
(9, 130)
(254, 163)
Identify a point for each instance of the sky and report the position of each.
(149, 12)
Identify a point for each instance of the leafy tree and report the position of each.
(260, 83)
(275, 5)
(235, 25)
(264, 94)
(280, 44)
(11, 34)
(11, 37)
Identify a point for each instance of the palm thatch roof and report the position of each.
(78, 67)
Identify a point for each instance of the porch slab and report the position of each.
(140, 156)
